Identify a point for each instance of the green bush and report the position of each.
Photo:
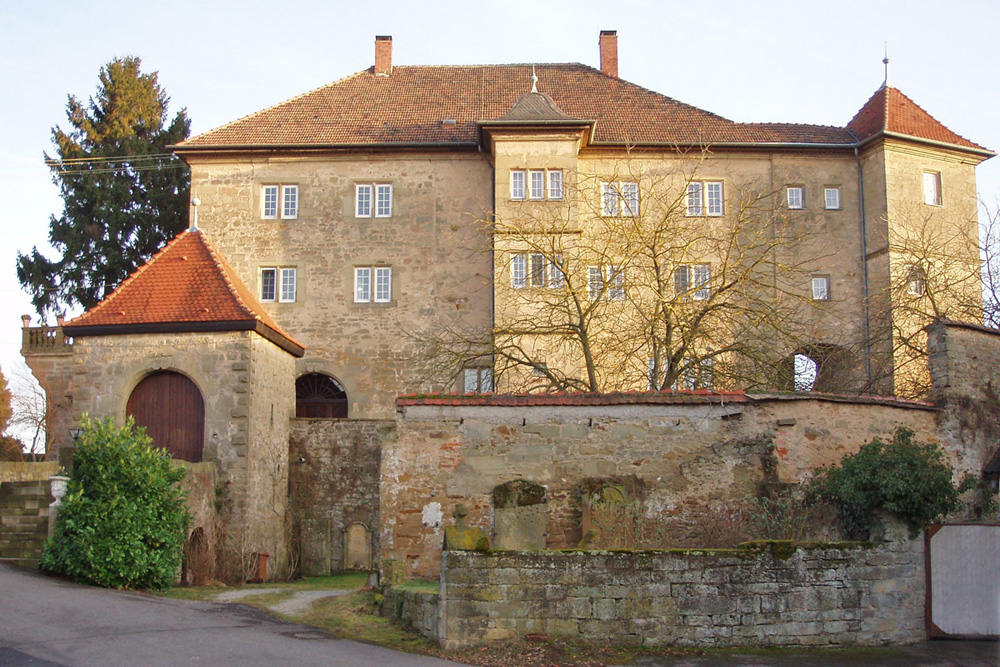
(123, 521)
(908, 479)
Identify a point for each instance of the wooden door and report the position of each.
(171, 408)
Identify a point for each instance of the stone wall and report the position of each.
(17, 471)
(677, 459)
(763, 594)
(421, 611)
(334, 484)
(438, 253)
(965, 373)
(24, 520)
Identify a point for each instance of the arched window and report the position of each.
(319, 396)
(171, 408)
(806, 370)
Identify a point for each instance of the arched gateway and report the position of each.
(172, 409)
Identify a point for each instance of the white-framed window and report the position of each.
(609, 275)
(518, 184)
(383, 200)
(692, 281)
(277, 284)
(477, 380)
(519, 271)
(932, 188)
(373, 199)
(555, 183)
(536, 184)
(279, 198)
(794, 195)
(620, 199)
(372, 284)
(820, 288)
(537, 269)
(916, 280)
(705, 198)
(831, 197)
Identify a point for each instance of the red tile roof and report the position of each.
(891, 111)
(409, 106)
(697, 397)
(187, 286)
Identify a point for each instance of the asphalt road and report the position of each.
(48, 623)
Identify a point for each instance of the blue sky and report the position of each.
(781, 61)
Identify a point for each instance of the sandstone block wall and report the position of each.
(816, 595)
(437, 249)
(334, 483)
(420, 610)
(965, 372)
(683, 458)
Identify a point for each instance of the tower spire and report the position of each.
(885, 61)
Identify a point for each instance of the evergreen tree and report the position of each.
(123, 194)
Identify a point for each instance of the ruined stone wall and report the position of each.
(965, 373)
(770, 595)
(676, 459)
(334, 483)
(433, 242)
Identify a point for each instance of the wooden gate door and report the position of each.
(963, 591)
(171, 408)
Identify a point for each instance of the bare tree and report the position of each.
(28, 412)
(649, 277)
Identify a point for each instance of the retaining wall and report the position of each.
(771, 594)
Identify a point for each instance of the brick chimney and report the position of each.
(609, 52)
(383, 55)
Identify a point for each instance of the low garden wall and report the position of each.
(419, 610)
(772, 594)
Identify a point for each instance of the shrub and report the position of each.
(123, 521)
(908, 479)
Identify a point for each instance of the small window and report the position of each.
(692, 281)
(277, 284)
(557, 273)
(595, 282)
(383, 201)
(536, 183)
(269, 202)
(362, 201)
(831, 198)
(289, 201)
(518, 187)
(620, 199)
(932, 188)
(555, 184)
(372, 198)
(704, 198)
(267, 284)
(275, 199)
(477, 380)
(539, 269)
(616, 279)
(364, 292)
(916, 281)
(519, 271)
(820, 288)
(794, 196)
(287, 294)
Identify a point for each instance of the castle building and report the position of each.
(344, 234)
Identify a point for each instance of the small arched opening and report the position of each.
(825, 368)
(319, 396)
(170, 407)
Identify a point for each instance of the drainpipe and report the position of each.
(864, 270)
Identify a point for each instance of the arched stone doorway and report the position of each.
(172, 409)
(319, 396)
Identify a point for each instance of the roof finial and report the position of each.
(534, 80)
(885, 61)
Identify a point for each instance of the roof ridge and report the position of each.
(269, 108)
(224, 272)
